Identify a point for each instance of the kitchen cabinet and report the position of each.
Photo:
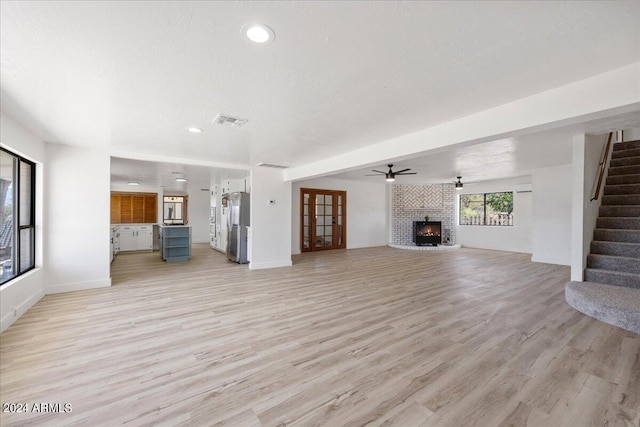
(236, 185)
(136, 238)
(230, 186)
(134, 208)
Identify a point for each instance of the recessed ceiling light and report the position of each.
(258, 33)
(181, 179)
(133, 183)
(194, 130)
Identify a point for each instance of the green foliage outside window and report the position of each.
(486, 209)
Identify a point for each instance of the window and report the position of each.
(175, 210)
(17, 215)
(486, 209)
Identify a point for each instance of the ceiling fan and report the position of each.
(391, 175)
(458, 184)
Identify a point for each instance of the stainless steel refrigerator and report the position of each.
(237, 223)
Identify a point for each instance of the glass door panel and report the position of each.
(306, 223)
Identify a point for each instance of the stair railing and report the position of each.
(603, 165)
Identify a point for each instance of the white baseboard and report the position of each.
(78, 286)
(11, 317)
(272, 264)
(544, 260)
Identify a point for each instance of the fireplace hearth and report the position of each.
(427, 233)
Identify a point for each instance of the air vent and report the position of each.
(269, 165)
(524, 188)
(222, 119)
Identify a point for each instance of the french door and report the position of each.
(323, 219)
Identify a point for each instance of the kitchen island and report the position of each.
(175, 242)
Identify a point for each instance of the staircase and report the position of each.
(611, 291)
(615, 250)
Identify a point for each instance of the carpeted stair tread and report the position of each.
(616, 235)
(625, 161)
(626, 145)
(623, 179)
(620, 210)
(614, 263)
(614, 278)
(630, 152)
(614, 305)
(611, 189)
(624, 170)
(621, 199)
(619, 222)
(625, 249)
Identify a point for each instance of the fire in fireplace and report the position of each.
(427, 233)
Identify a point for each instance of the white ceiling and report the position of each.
(131, 76)
(153, 175)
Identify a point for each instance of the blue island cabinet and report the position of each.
(175, 242)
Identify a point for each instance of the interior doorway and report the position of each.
(323, 219)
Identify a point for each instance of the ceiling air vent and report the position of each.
(222, 119)
(269, 165)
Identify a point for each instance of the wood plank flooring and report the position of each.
(375, 336)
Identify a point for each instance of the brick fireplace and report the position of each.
(411, 203)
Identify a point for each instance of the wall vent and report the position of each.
(524, 188)
(269, 165)
(225, 120)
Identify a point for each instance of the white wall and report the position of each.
(198, 211)
(21, 293)
(270, 223)
(551, 230)
(516, 238)
(77, 218)
(366, 211)
(588, 151)
(632, 134)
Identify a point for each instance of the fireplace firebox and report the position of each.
(427, 233)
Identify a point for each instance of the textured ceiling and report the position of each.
(131, 76)
(505, 158)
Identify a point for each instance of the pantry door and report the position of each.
(323, 219)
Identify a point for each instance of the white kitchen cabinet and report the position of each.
(144, 238)
(233, 185)
(136, 237)
(128, 238)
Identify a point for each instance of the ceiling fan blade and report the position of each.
(403, 170)
(372, 174)
(378, 171)
(406, 173)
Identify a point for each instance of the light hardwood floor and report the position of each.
(374, 336)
